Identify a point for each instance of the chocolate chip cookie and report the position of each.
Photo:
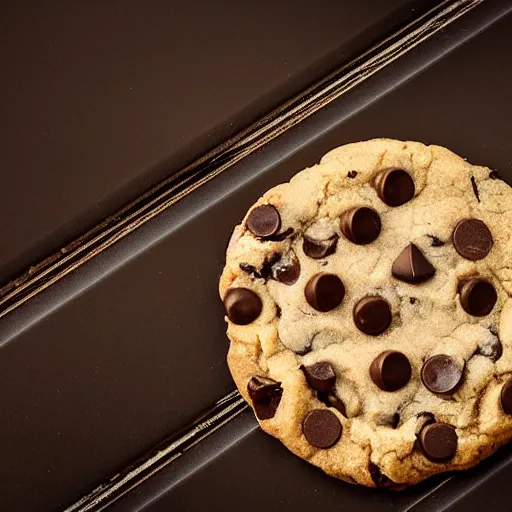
(369, 312)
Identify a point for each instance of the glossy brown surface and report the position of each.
(103, 377)
(101, 100)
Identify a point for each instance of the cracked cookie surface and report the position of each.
(369, 312)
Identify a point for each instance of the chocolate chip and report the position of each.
(250, 269)
(320, 376)
(360, 225)
(412, 300)
(242, 305)
(441, 374)
(394, 186)
(372, 315)
(477, 296)
(475, 188)
(322, 428)
(390, 370)
(388, 420)
(494, 175)
(380, 480)
(287, 269)
(438, 441)
(331, 400)
(506, 397)
(491, 348)
(318, 249)
(435, 242)
(265, 394)
(279, 237)
(411, 266)
(264, 221)
(266, 268)
(472, 239)
(352, 174)
(324, 292)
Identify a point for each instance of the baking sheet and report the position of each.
(102, 100)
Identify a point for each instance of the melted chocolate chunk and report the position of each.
(472, 239)
(279, 237)
(493, 349)
(264, 221)
(287, 269)
(242, 305)
(352, 174)
(331, 400)
(411, 266)
(388, 420)
(441, 374)
(477, 296)
(394, 186)
(265, 394)
(250, 269)
(322, 428)
(390, 370)
(475, 188)
(435, 242)
(320, 376)
(380, 480)
(506, 397)
(324, 292)
(318, 249)
(372, 315)
(438, 441)
(412, 300)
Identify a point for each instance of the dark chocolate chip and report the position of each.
(242, 305)
(390, 370)
(472, 239)
(331, 400)
(394, 186)
(264, 221)
(320, 376)
(318, 249)
(495, 175)
(266, 268)
(438, 441)
(435, 242)
(388, 420)
(475, 188)
(250, 269)
(492, 349)
(412, 300)
(352, 174)
(380, 480)
(322, 428)
(287, 269)
(477, 296)
(279, 237)
(324, 292)
(265, 394)
(411, 266)
(441, 374)
(506, 397)
(360, 225)
(372, 315)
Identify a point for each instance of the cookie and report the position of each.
(369, 313)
